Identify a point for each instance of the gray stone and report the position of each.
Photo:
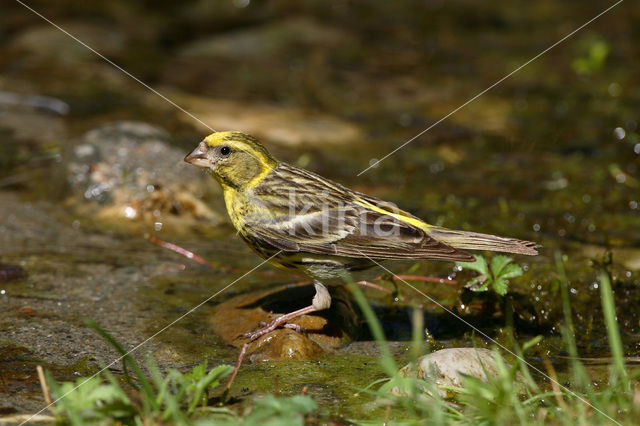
(448, 367)
(127, 173)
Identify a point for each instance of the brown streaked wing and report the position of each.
(326, 220)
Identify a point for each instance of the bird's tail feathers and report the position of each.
(475, 241)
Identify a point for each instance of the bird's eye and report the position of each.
(225, 150)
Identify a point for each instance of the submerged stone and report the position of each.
(324, 330)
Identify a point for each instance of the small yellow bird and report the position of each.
(303, 222)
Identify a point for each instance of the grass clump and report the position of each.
(520, 393)
(165, 398)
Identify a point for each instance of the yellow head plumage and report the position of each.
(235, 159)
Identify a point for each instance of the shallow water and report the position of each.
(551, 154)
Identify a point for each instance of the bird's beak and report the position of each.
(198, 156)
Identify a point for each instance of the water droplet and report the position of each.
(157, 226)
(619, 132)
(633, 205)
(374, 162)
(636, 148)
(586, 198)
(536, 227)
(130, 212)
(3, 291)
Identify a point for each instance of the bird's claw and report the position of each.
(264, 329)
(296, 327)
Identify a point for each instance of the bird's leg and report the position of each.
(321, 301)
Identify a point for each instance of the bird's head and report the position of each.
(235, 159)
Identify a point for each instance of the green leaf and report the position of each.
(212, 379)
(500, 286)
(498, 263)
(511, 271)
(273, 410)
(480, 265)
(479, 283)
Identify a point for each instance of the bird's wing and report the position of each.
(324, 218)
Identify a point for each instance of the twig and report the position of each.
(424, 278)
(554, 384)
(192, 256)
(374, 286)
(24, 418)
(382, 289)
(43, 385)
(180, 250)
(243, 351)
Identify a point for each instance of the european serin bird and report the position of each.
(311, 225)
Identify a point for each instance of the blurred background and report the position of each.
(91, 160)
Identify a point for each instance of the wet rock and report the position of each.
(10, 99)
(266, 41)
(324, 331)
(448, 367)
(291, 60)
(45, 42)
(629, 257)
(32, 125)
(271, 123)
(50, 60)
(284, 344)
(127, 174)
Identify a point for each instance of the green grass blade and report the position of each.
(609, 311)
(386, 359)
(147, 389)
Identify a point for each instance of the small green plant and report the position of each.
(164, 398)
(96, 401)
(278, 410)
(496, 276)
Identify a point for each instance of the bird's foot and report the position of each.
(281, 321)
(268, 328)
